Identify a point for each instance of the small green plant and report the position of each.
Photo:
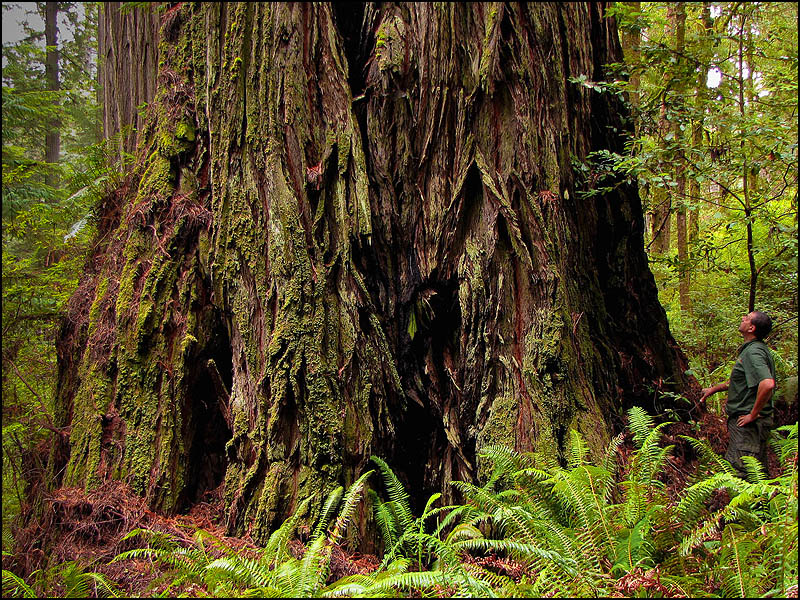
(64, 580)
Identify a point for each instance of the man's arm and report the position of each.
(720, 387)
(764, 393)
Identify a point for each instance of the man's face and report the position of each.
(746, 326)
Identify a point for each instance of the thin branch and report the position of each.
(45, 413)
(761, 268)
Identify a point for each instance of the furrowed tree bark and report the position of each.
(367, 217)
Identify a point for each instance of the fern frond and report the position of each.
(785, 448)
(276, 549)
(640, 423)
(650, 457)
(350, 586)
(245, 571)
(391, 554)
(754, 469)
(315, 566)
(472, 586)
(396, 493)
(427, 512)
(420, 580)
(15, 586)
(387, 524)
(349, 504)
(465, 512)
(75, 584)
(155, 539)
(582, 504)
(399, 565)
(137, 553)
(633, 548)
(710, 458)
(532, 475)
(435, 550)
(502, 583)
(691, 504)
(736, 567)
(503, 514)
(578, 450)
(505, 460)
(328, 511)
(610, 458)
(464, 531)
(522, 551)
(635, 505)
(546, 462)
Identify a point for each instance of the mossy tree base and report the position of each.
(357, 231)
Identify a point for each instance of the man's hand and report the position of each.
(720, 387)
(765, 389)
(745, 420)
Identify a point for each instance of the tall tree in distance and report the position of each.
(677, 128)
(358, 229)
(131, 67)
(49, 172)
(53, 141)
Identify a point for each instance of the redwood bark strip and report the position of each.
(445, 195)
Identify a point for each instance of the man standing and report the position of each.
(750, 387)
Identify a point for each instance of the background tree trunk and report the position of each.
(661, 218)
(127, 68)
(53, 135)
(680, 167)
(355, 229)
(701, 97)
(631, 42)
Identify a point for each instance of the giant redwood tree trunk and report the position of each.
(357, 229)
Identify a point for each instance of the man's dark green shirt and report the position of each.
(753, 365)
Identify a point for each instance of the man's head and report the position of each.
(756, 324)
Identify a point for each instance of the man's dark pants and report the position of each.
(750, 440)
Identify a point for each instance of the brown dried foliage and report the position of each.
(638, 580)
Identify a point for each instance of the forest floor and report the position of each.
(92, 528)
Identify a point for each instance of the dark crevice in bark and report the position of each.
(426, 369)
(471, 211)
(371, 268)
(415, 440)
(348, 18)
(208, 428)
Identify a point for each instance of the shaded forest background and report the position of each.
(712, 89)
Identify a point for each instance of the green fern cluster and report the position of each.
(750, 544)
(222, 572)
(67, 580)
(581, 529)
(573, 530)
